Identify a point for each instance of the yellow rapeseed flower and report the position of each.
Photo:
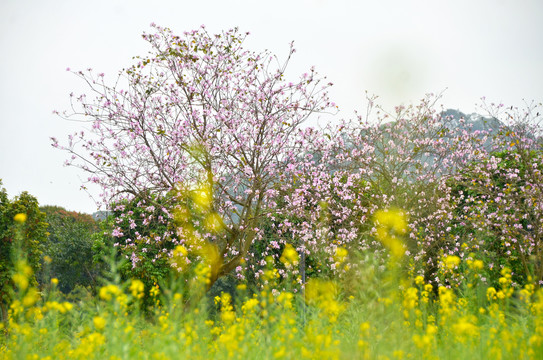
(179, 258)
(99, 322)
(21, 281)
(180, 250)
(107, 292)
(285, 298)
(241, 287)
(32, 296)
(154, 291)
(249, 305)
(340, 256)
(20, 218)
(466, 328)
(391, 224)
(477, 265)
(212, 261)
(318, 289)
(451, 262)
(281, 353)
(491, 293)
(410, 298)
(203, 273)
(393, 219)
(65, 307)
(289, 256)
(137, 288)
(24, 269)
(323, 294)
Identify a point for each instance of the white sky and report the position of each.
(397, 49)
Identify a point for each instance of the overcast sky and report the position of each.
(397, 49)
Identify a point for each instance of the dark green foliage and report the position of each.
(69, 251)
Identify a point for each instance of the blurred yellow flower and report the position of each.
(203, 197)
(107, 291)
(392, 219)
(213, 222)
(137, 288)
(66, 306)
(391, 224)
(21, 281)
(20, 218)
(99, 322)
(465, 328)
(154, 291)
(491, 293)
(410, 298)
(31, 297)
(289, 256)
(180, 250)
(478, 264)
(450, 262)
(323, 294)
(340, 256)
(249, 305)
(241, 287)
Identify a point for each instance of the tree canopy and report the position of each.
(205, 122)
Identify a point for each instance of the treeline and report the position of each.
(54, 242)
(482, 204)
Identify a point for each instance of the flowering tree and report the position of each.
(498, 201)
(381, 161)
(211, 124)
(416, 159)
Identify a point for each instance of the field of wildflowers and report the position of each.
(373, 311)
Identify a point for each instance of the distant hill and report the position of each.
(100, 215)
(479, 122)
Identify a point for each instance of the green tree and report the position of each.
(69, 250)
(23, 238)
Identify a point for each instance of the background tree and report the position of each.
(23, 239)
(490, 208)
(382, 161)
(410, 160)
(498, 211)
(202, 117)
(69, 249)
